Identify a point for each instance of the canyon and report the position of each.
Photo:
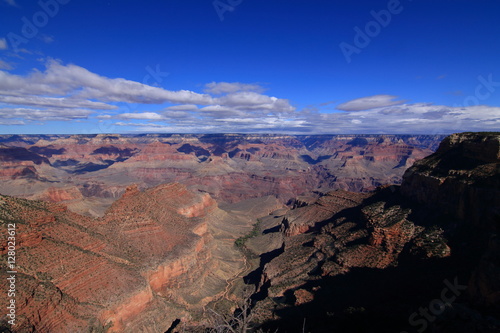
(387, 261)
(156, 233)
(89, 172)
(155, 256)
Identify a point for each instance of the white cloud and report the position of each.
(3, 44)
(256, 105)
(183, 107)
(5, 65)
(218, 88)
(44, 114)
(246, 98)
(57, 102)
(418, 118)
(143, 116)
(11, 122)
(72, 93)
(158, 128)
(78, 82)
(70, 86)
(370, 102)
(178, 115)
(138, 124)
(215, 108)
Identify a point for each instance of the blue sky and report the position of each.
(274, 66)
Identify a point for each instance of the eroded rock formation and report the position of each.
(154, 257)
(373, 263)
(229, 167)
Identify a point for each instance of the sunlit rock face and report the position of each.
(155, 256)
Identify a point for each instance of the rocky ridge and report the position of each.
(374, 262)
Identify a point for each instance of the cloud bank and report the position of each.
(371, 102)
(70, 92)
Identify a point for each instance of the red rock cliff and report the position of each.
(151, 259)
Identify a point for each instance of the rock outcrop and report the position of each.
(374, 263)
(299, 221)
(461, 179)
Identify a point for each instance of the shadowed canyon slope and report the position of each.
(402, 259)
(89, 172)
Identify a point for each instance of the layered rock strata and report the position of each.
(229, 167)
(154, 257)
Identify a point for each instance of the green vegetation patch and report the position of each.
(240, 242)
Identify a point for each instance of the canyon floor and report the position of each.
(157, 233)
